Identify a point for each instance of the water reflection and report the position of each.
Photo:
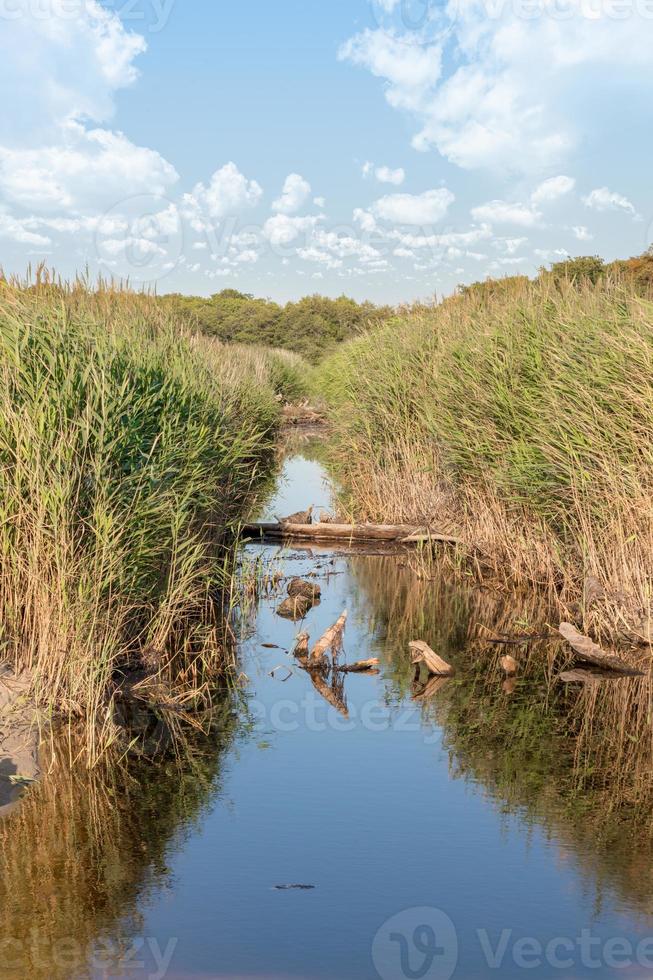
(519, 803)
(575, 758)
(87, 850)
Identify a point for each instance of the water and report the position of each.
(490, 820)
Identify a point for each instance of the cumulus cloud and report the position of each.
(582, 233)
(296, 191)
(18, 231)
(86, 169)
(227, 193)
(413, 209)
(283, 229)
(507, 98)
(385, 175)
(56, 68)
(410, 67)
(603, 199)
(505, 212)
(552, 188)
(59, 74)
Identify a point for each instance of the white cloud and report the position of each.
(18, 231)
(552, 188)
(582, 233)
(319, 202)
(56, 68)
(509, 96)
(283, 229)
(314, 254)
(504, 212)
(411, 68)
(385, 175)
(87, 169)
(509, 245)
(227, 193)
(295, 193)
(413, 209)
(603, 199)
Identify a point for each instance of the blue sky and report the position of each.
(387, 149)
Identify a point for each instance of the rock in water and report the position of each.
(308, 590)
(295, 607)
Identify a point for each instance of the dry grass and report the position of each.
(524, 421)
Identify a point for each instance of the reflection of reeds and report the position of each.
(86, 847)
(577, 759)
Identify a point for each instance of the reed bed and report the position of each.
(522, 419)
(128, 451)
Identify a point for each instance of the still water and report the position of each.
(490, 829)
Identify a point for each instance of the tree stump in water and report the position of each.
(422, 653)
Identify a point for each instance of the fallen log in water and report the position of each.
(422, 653)
(331, 639)
(589, 652)
(399, 533)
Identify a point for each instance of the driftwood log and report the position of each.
(589, 652)
(422, 653)
(400, 533)
(332, 640)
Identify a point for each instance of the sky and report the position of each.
(385, 149)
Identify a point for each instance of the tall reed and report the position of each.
(524, 420)
(128, 449)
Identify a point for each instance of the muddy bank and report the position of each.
(20, 737)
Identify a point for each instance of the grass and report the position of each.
(522, 418)
(128, 450)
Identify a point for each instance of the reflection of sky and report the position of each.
(365, 809)
(303, 482)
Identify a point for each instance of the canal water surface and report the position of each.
(481, 828)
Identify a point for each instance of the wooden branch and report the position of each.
(331, 639)
(347, 532)
(422, 653)
(591, 653)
